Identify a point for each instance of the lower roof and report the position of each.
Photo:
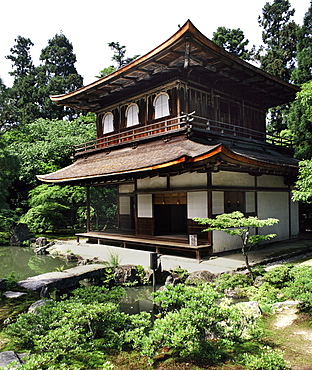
(177, 155)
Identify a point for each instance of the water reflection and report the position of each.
(137, 299)
(23, 262)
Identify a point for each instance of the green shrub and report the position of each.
(279, 276)
(268, 359)
(300, 286)
(227, 281)
(98, 294)
(265, 294)
(68, 325)
(189, 317)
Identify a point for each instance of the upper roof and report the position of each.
(187, 50)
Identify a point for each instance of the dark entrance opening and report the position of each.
(170, 219)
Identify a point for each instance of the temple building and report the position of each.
(182, 132)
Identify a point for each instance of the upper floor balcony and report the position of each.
(189, 124)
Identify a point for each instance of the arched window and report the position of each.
(132, 115)
(161, 104)
(108, 123)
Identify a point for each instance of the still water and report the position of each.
(23, 262)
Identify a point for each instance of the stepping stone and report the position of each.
(7, 357)
(10, 294)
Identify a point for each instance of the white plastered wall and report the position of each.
(266, 181)
(126, 188)
(294, 206)
(225, 178)
(274, 205)
(152, 183)
(189, 180)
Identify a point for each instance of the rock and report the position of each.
(10, 294)
(234, 293)
(62, 279)
(280, 306)
(42, 302)
(7, 357)
(259, 280)
(71, 257)
(41, 241)
(170, 280)
(201, 276)
(20, 234)
(126, 274)
(251, 307)
(42, 250)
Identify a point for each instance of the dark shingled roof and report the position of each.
(161, 155)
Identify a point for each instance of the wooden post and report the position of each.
(88, 208)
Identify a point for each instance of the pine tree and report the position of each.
(303, 73)
(119, 58)
(57, 75)
(233, 41)
(278, 56)
(279, 36)
(22, 95)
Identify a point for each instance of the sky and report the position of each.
(140, 25)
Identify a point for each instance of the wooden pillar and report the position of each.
(88, 208)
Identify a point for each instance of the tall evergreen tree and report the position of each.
(9, 166)
(233, 41)
(21, 96)
(20, 57)
(303, 73)
(278, 55)
(119, 58)
(279, 36)
(300, 121)
(57, 75)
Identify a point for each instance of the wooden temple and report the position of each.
(182, 132)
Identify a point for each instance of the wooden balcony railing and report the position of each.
(195, 124)
(133, 134)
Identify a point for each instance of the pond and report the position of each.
(23, 262)
(137, 299)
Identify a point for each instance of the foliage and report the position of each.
(299, 121)
(268, 359)
(28, 98)
(49, 205)
(103, 202)
(44, 146)
(40, 147)
(279, 36)
(303, 186)
(265, 294)
(278, 55)
(119, 58)
(227, 281)
(300, 286)
(279, 276)
(9, 166)
(237, 224)
(72, 333)
(57, 75)
(233, 41)
(303, 72)
(189, 315)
